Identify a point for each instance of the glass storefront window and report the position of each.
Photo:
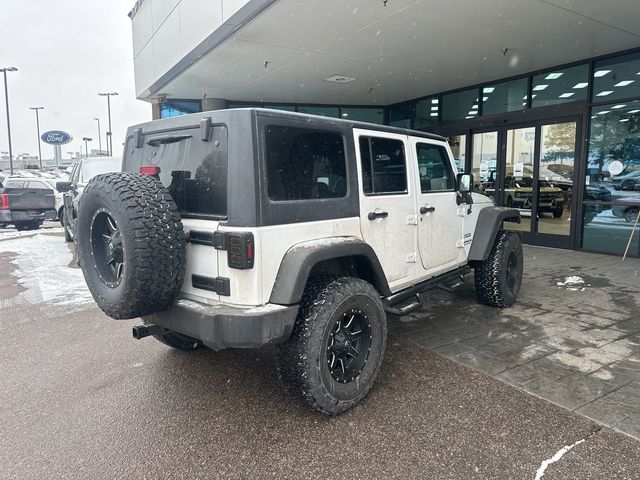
(504, 97)
(426, 113)
(460, 106)
(518, 180)
(458, 144)
(612, 191)
(555, 178)
(560, 86)
(175, 108)
(485, 161)
(401, 115)
(370, 115)
(617, 77)
(322, 111)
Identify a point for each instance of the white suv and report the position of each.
(244, 228)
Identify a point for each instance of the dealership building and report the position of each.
(539, 99)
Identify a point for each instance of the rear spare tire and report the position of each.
(131, 245)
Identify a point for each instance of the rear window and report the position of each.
(304, 164)
(93, 167)
(14, 184)
(194, 171)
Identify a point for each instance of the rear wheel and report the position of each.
(335, 351)
(32, 225)
(178, 341)
(557, 211)
(498, 278)
(630, 215)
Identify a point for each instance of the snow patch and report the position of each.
(573, 283)
(43, 269)
(559, 454)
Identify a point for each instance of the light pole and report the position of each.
(86, 147)
(6, 99)
(109, 95)
(38, 127)
(99, 137)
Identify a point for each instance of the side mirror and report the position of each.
(465, 182)
(63, 186)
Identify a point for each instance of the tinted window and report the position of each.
(304, 164)
(426, 113)
(384, 169)
(14, 184)
(435, 169)
(616, 78)
(459, 106)
(504, 97)
(322, 111)
(39, 185)
(371, 115)
(560, 86)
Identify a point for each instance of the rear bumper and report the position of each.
(220, 327)
(11, 216)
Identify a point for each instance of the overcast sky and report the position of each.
(66, 52)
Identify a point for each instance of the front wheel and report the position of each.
(498, 278)
(334, 354)
(557, 211)
(631, 215)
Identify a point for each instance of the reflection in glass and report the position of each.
(322, 111)
(612, 193)
(560, 86)
(504, 97)
(518, 191)
(555, 175)
(483, 168)
(426, 113)
(401, 115)
(616, 77)
(458, 144)
(460, 106)
(370, 115)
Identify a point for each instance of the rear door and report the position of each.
(440, 219)
(194, 171)
(387, 205)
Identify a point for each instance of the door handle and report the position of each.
(374, 215)
(424, 210)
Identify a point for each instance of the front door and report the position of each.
(387, 203)
(439, 223)
(531, 168)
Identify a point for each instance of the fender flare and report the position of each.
(489, 223)
(300, 259)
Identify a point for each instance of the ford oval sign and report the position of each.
(56, 137)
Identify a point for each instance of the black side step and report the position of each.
(141, 331)
(436, 282)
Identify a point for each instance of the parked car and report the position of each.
(629, 181)
(518, 194)
(81, 173)
(26, 203)
(628, 212)
(596, 192)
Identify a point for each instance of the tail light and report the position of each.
(150, 170)
(240, 251)
(4, 201)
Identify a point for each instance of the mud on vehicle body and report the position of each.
(244, 228)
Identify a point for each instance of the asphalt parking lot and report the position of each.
(80, 398)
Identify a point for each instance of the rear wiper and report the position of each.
(164, 139)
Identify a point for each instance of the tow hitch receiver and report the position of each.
(141, 331)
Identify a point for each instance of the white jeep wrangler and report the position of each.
(251, 227)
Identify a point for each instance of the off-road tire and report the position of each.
(302, 362)
(151, 242)
(557, 212)
(178, 341)
(65, 225)
(497, 285)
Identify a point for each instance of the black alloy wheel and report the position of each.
(106, 242)
(348, 346)
(513, 271)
